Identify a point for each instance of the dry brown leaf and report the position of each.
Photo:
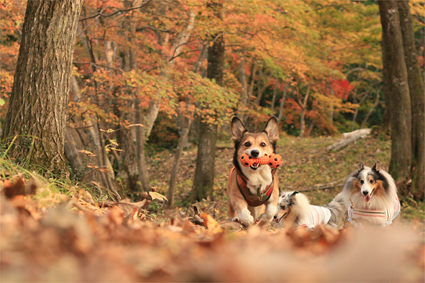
(129, 207)
(18, 187)
(157, 196)
(116, 215)
(88, 153)
(101, 169)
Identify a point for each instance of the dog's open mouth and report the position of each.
(254, 166)
(280, 218)
(368, 197)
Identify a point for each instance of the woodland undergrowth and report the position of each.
(56, 230)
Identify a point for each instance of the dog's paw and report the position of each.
(263, 219)
(237, 220)
(246, 220)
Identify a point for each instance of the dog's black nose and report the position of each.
(255, 153)
(365, 193)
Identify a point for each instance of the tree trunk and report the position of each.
(250, 92)
(72, 145)
(303, 110)
(127, 137)
(371, 109)
(243, 81)
(37, 110)
(140, 149)
(398, 92)
(262, 88)
(357, 109)
(88, 139)
(205, 161)
(274, 96)
(183, 124)
(417, 96)
(179, 150)
(282, 102)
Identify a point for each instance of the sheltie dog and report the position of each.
(253, 191)
(294, 210)
(370, 194)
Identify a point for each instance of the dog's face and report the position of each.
(369, 181)
(286, 201)
(255, 145)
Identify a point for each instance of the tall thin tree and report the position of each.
(37, 109)
(205, 161)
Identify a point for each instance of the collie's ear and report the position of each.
(238, 129)
(272, 129)
(294, 193)
(376, 167)
(361, 166)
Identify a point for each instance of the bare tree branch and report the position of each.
(114, 13)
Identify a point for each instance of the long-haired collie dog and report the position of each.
(294, 210)
(370, 195)
(253, 191)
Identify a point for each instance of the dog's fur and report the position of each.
(258, 176)
(370, 188)
(294, 208)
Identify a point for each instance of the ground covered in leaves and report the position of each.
(79, 241)
(49, 236)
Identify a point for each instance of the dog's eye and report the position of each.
(283, 207)
(263, 144)
(247, 144)
(372, 181)
(361, 182)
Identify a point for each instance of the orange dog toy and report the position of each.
(274, 160)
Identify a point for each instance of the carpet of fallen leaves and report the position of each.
(79, 240)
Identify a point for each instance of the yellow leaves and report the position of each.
(211, 223)
(335, 103)
(417, 9)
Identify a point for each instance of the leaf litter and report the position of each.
(79, 240)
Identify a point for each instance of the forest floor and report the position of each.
(52, 231)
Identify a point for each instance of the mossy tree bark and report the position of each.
(37, 109)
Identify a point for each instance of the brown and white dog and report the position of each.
(370, 194)
(253, 191)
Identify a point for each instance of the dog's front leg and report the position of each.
(245, 217)
(241, 207)
(268, 215)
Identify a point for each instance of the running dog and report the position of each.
(370, 194)
(295, 210)
(253, 191)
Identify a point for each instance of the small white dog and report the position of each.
(295, 210)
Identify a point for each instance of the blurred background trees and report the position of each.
(142, 81)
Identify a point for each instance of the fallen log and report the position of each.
(348, 138)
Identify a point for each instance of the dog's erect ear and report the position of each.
(376, 167)
(238, 129)
(272, 129)
(361, 166)
(294, 193)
